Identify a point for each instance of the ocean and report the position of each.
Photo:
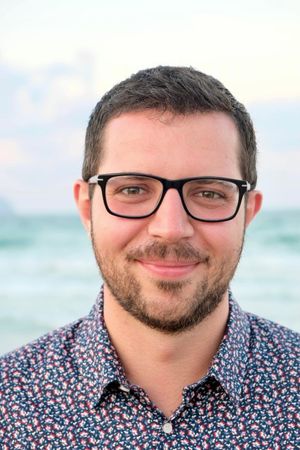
(49, 277)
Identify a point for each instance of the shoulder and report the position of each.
(37, 382)
(32, 363)
(270, 334)
(274, 349)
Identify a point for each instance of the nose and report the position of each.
(171, 222)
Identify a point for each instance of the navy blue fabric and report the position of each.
(68, 390)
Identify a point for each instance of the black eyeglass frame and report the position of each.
(102, 179)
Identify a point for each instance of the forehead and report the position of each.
(155, 142)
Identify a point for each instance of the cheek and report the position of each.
(223, 237)
(113, 234)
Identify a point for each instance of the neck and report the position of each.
(163, 364)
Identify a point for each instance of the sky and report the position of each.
(57, 58)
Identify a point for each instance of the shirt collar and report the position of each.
(229, 364)
(99, 365)
(96, 358)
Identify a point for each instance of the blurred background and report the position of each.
(57, 58)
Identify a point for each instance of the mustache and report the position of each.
(180, 252)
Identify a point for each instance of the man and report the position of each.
(166, 359)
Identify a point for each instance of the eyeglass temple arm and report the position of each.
(248, 186)
(93, 180)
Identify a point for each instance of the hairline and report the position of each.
(161, 111)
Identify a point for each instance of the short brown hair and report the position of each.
(179, 90)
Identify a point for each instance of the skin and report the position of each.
(167, 288)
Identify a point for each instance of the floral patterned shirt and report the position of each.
(68, 390)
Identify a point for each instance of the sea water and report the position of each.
(49, 277)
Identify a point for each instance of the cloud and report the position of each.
(43, 117)
(45, 96)
(277, 124)
(278, 136)
(44, 114)
(250, 47)
(279, 178)
(11, 153)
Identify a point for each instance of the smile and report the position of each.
(169, 269)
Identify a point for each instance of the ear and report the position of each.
(81, 195)
(254, 202)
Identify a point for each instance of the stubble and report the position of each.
(184, 310)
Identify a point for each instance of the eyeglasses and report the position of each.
(137, 195)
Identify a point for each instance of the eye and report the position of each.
(211, 195)
(132, 190)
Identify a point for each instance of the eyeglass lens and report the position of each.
(137, 196)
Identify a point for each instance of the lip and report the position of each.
(169, 269)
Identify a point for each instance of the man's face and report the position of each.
(168, 270)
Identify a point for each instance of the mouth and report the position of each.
(168, 269)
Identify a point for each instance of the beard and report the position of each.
(183, 310)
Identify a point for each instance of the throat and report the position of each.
(165, 392)
(163, 364)
(166, 400)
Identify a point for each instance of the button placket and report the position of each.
(167, 427)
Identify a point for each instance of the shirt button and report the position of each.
(167, 427)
